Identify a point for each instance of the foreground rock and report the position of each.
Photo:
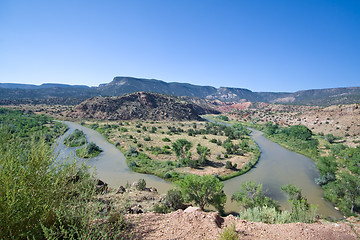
(195, 224)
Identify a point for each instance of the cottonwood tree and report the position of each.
(345, 192)
(251, 195)
(181, 147)
(203, 190)
(203, 152)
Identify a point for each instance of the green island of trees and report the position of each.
(75, 139)
(171, 150)
(88, 151)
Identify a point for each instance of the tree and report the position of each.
(300, 132)
(141, 184)
(330, 138)
(203, 153)
(251, 195)
(203, 190)
(345, 192)
(270, 128)
(327, 167)
(301, 210)
(181, 147)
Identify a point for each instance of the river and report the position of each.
(277, 166)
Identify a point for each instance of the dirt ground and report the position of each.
(195, 224)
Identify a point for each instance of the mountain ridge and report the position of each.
(123, 85)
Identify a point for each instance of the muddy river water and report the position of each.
(277, 166)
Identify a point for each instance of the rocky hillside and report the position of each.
(124, 85)
(140, 105)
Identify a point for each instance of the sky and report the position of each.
(261, 45)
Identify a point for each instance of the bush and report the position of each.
(174, 199)
(54, 203)
(167, 175)
(265, 214)
(141, 184)
(75, 139)
(229, 233)
(123, 129)
(161, 208)
(131, 152)
(166, 139)
(228, 165)
(203, 190)
(89, 151)
(251, 195)
(213, 140)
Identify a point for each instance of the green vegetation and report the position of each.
(76, 139)
(141, 184)
(181, 148)
(203, 190)
(229, 233)
(26, 126)
(152, 153)
(265, 214)
(173, 201)
(257, 207)
(42, 198)
(345, 193)
(88, 151)
(301, 210)
(297, 138)
(223, 118)
(339, 169)
(251, 195)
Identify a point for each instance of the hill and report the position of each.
(140, 105)
(124, 85)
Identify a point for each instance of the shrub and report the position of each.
(123, 129)
(265, 214)
(89, 151)
(132, 164)
(251, 195)
(161, 208)
(213, 140)
(301, 210)
(174, 199)
(141, 184)
(228, 165)
(147, 138)
(54, 203)
(203, 190)
(166, 139)
(229, 233)
(167, 175)
(75, 139)
(131, 152)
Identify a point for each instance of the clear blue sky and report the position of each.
(265, 45)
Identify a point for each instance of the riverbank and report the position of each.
(223, 151)
(276, 167)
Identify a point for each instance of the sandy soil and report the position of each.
(195, 224)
